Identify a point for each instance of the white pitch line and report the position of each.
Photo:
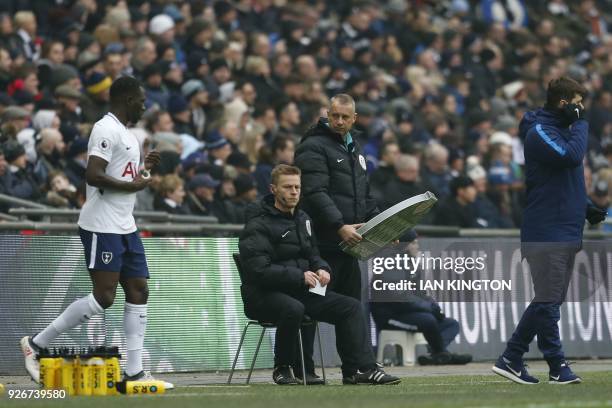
(199, 394)
(467, 383)
(214, 386)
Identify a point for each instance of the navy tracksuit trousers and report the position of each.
(551, 272)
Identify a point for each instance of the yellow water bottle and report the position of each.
(77, 374)
(98, 375)
(84, 379)
(141, 387)
(113, 370)
(67, 370)
(47, 370)
(57, 370)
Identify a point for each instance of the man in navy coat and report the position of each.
(555, 139)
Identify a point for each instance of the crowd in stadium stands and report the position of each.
(231, 86)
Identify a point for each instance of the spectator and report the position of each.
(289, 119)
(69, 113)
(25, 23)
(404, 183)
(435, 174)
(178, 108)
(50, 154)
(76, 163)
(384, 172)
(240, 162)
(282, 152)
(488, 214)
(61, 193)
(113, 60)
(170, 195)
(14, 120)
(197, 97)
(418, 311)
(252, 142)
(19, 182)
(218, 148)
(234, 211)
(458, 209)
(95, 104)
(201, 195)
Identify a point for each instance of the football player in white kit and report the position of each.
(113, 249)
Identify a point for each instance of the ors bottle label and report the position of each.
(141, 387)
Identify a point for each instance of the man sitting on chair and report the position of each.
(280, 261)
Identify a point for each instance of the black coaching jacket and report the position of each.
(335, 187)
(276, 248)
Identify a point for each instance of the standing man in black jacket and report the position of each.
(281, 262)
(336, 191)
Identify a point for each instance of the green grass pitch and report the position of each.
(436, 391)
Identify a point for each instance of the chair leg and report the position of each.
(320, 351)
(244, 332)
(263, 331)
(302, 356)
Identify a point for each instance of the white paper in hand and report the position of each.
(318, 289)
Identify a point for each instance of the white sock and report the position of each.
(79, 311)
(134, 326)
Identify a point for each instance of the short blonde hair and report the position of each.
(169, 183)
(22, 17)
(284, 170)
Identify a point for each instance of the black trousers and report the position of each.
(345, 273)
(287, 312)
(438, 333)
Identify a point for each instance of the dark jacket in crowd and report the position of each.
(21, 184)
(436, 183)
(381, 176)
(554, 176)
(263, 177)
(489, 215)
(230, 211)
(450, 212)
(397, 191)
(276, 248)
(159, 204)
(335, 187)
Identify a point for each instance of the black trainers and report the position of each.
(460, 359)
(311, 379)
(375, 376)
(445, 358)
(283, 375)
(442, 358)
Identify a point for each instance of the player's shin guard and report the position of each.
(134, 326)
(79, 311)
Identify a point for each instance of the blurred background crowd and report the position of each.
(231, 86)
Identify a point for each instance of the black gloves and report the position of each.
(594, 214)
(572, 112)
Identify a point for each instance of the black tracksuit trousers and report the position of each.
(287, 312)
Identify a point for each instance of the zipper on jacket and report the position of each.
(352, 160)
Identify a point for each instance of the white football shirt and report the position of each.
(108, 211)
